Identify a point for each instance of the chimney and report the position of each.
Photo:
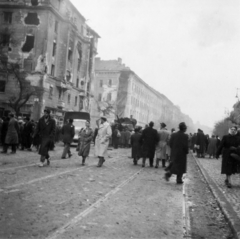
(119, 60)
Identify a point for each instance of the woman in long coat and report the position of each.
(161, 148)
(212, 147)
(136, 146)
(229, 165)
(102, 140)
(85, 136)
(12, 134)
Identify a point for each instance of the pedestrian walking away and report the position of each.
(85, 137)
(116, 137)
(11, 138)
(27, 134)
(229, 145)
(179, 151)
(212, 147)
(161, 148)
(136, 146)
(201, 144)
(68, 132)
(149, 140)
(46, 129)
(102, 140)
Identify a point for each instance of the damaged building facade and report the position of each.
(129, 95)
(53, 43)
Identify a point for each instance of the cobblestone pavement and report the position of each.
(66, 200)
(228, 198)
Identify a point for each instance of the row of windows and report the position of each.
(61, 96)
(109, 83)
(109, 97)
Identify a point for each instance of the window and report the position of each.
(53, 70)
(77, 83)
(100, 97)
(68, 76)
(79, 64)
(7, 17)
(5, 39)
(70, 54)
(101, 83)
(79, 48)
(109, 82)
(56, 27)
(80, 103)
(50, 92)
(76, 100)
(109, 96)
(2, 86)
(60, 94)
(69, 98)
(82, 83)
(32, 19)
(54, 48)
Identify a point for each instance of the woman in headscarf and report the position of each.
(85, 137)
(227, 146)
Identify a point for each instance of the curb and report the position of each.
(229, 213)
(186, 216)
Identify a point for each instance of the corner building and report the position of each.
(57, 48)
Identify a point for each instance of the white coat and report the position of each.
(161, 147)
(102, 139)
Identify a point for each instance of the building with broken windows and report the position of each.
(121, 92)
(53, 43)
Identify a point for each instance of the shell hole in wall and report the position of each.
(29, 44)
(32, 19)
(34, 2)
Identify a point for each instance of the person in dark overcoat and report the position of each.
(229, 164)
(46, 128)
(212, 147)
(27, 134)
(11, 138)
(4, 132)
(115, 137)
(149, 140)
(179, 150)
(194, 141)
(136, 146)
(201, 143)
(85, 137)
(68, 132)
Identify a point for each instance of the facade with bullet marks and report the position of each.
(53, 43)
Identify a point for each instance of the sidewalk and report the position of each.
(228, 198)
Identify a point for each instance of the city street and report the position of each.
(119, 200)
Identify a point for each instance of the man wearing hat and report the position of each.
(149, 139)
(46, 129)
(27, 134)
(179, 150)
(161, 148)
(102, 140)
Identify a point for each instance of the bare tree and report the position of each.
(22, 89)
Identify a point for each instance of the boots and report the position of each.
(83, 160)
(100, 162)
(163, 163)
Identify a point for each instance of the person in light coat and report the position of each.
(102, 140)
(161, 147)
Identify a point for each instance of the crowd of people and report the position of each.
(163, 145)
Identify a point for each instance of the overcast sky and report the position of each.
(188, 50)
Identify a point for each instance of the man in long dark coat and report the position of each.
(46, 128)
(27, 134)
(179, 150)
(149, 140)
(4, 132)
(68, 132)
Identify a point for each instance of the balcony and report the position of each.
(60, 104)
